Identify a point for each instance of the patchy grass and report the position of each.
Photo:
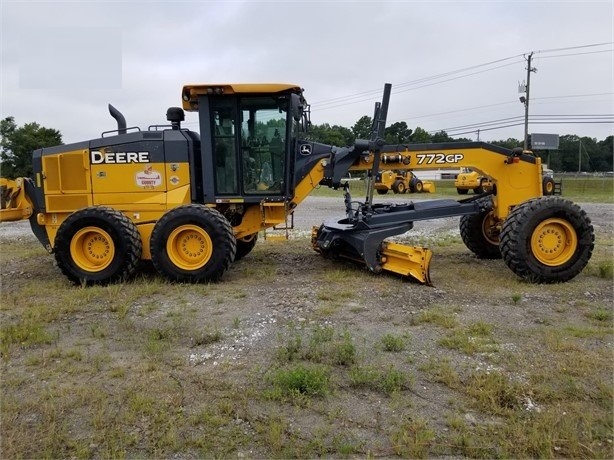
(293, 355)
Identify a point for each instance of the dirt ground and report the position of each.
(284, 290)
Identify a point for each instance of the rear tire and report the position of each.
(548, 186)
(245, 246)
(97, 245)
(480, 233)
(481, 188)
(192, 243)
(462, 191)
(398, 187)
(547, 240)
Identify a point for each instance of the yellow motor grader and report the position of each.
(194, 203)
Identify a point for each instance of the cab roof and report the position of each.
(190, 93)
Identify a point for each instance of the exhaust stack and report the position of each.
(121, 121)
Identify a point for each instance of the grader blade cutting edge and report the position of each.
(410, 261)
(361, 236)
(338, 240)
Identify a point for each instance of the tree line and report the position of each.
(575, 153)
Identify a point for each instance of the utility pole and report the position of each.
(525, 101)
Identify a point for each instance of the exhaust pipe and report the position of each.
(121, 121)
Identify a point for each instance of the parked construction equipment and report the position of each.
(194, 203)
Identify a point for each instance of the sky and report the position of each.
(453, 65)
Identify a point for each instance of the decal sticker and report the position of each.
(305, 149)
(174, 180)
(148, 178)
(438, 158)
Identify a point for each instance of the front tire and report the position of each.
(419, 186)
(192, 243)
(480, 232)
(97, 245)
(547, 240)
(462, 191)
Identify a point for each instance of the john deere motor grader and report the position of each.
(193, 204)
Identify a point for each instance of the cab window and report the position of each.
(263, 132)
(224, 149)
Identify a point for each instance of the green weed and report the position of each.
(437, 317)
(393, 343)
(386, 381)
(300, 380)
(413, 439)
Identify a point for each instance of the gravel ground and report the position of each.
(281, 290)
(315, 210)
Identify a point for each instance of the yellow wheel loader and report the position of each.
(194, 203)
(401, 182)
(471, 180)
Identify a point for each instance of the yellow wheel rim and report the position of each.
(549, 187)
(490, 230)
(554, 242)
(92, 249)
(189, 247)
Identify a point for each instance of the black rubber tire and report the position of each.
(99, 232)
(548, 186)
(245, 246)
(381, 191)
(481, 188)
(462, 191)
(206, 228)
(559, 227)
(479, 233)
(419, 187)
(398, 187)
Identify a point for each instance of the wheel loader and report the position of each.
(472, 180)
(193, 203)
(401, 182)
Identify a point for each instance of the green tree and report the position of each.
(331, 135)
(509, 143)
(606, 155)
(397, 133)
(362, 128)
(17, 144)
(420, 136)
(441, 136)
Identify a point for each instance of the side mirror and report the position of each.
(296, 106)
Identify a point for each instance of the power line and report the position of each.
(473, 131)
(376, 96)
(533, 119)
(374, 93)
(576, 54)
(592, 45)
(377, 92)
(514, 101)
